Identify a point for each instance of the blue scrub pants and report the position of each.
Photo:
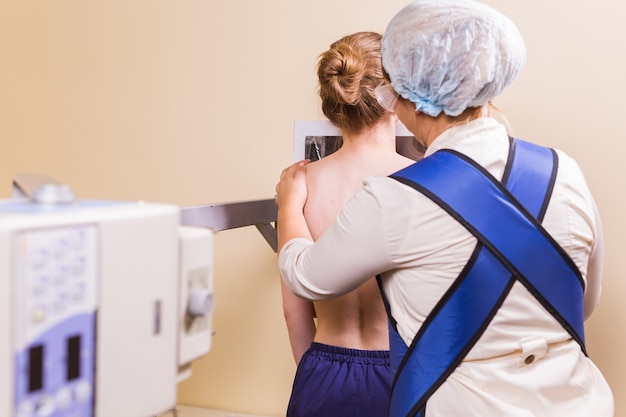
(339, 382)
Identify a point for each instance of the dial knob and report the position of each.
(200, 302)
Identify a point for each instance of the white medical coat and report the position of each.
(525, 363)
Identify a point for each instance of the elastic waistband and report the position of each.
(342, 354)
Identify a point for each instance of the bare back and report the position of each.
(356, 320)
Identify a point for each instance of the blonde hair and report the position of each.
(348, 73)
(496, 113)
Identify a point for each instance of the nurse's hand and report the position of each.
(291, 193)
(291, 190)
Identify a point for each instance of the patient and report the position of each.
(341, 345)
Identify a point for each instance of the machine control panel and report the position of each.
(55, 282)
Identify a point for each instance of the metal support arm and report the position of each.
(224, 216)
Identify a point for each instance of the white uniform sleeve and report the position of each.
(594, 268)
(351, 251)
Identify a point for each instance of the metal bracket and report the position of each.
(224, 216)
(42, 189)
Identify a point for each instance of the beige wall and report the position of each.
(193, 102)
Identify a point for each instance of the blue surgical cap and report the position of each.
(448, 55)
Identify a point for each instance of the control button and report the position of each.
(45, 406)
(38, 290)
(44, 278)
(38, 315)
(39, 258)
(64, 398)
(59, 276)
(77, 240)
(25, 409)
(200, 302)
(78, 267)
(59, 249)
(82, 391)
(60, 303)
(78, 292)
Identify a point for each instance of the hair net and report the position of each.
(448, 55)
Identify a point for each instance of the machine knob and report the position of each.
(200, 302)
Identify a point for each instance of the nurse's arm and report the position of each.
(351, 251)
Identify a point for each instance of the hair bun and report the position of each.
(343, 73)
(348, 73)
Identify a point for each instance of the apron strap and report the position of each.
(458, 320)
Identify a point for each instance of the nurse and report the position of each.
(488, 251)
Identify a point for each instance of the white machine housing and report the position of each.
(101, 304)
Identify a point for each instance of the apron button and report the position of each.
(529, 359)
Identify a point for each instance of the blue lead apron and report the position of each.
(512, 246)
